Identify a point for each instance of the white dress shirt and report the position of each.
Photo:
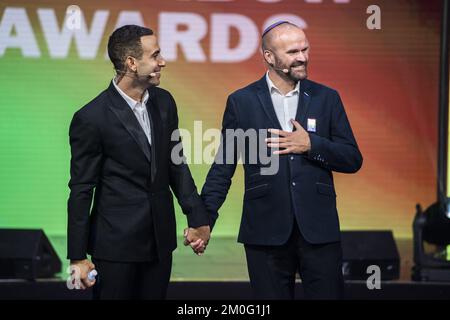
(139, 109)
(285, 105)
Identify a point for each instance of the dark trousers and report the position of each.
(272, 269)
(132, 280)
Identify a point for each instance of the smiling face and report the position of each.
(287, 48)
(150, 62)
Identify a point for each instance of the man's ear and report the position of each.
(130, 62)
(268, 56)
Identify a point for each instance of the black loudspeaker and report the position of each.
(27, 254)
(362, 249)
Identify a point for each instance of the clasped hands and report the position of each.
(197, 238)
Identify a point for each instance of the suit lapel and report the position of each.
(266, 102)
(155, 127)
(303, 102)
(123, 111)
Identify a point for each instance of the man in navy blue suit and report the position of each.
(289, 221)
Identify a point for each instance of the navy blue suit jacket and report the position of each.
(303, 186)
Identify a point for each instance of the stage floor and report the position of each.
(221, 274)
(225, 260)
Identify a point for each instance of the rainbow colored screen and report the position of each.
(383, 60)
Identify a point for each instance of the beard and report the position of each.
(146, 80)
(297, 70)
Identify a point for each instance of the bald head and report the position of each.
(277, 32)
(285, 47)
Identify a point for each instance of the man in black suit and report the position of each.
(289, 222)
(121, 147)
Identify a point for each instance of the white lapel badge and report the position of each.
(311, 125)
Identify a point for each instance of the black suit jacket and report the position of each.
(303, 186)
(132, 212)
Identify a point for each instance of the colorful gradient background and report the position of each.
(388, 80)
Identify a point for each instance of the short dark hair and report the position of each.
(126, 41)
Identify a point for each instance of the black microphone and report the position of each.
(151, 75)
(285, 70)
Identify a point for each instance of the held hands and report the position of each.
(197, 238)
(293, 142)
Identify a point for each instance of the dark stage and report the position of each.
(221, 274)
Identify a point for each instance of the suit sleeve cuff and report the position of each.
(315, 146)
(198, 217)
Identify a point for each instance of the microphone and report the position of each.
(285, 70)
(125, 73)
(91, 276)
(282, 70)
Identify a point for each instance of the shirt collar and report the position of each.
(273, 88)
(131, 102)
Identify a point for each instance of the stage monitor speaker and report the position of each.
(362, 249)
(27, 254)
